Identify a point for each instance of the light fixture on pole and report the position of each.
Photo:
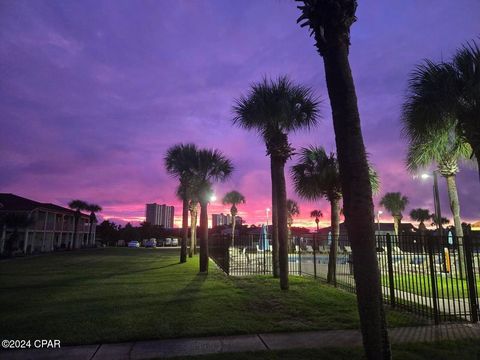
(379, 212)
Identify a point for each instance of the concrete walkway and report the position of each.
(225, 344)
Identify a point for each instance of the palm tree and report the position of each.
(329, 22)
(193, 208)
(317, 176)
(428, 142)
(234, 198)
(443, 221)
(395, 203)
(421, 215)
(317, 214)
(180, 162)
(212, 166)
(274, 109)
(444, 96)
(93, 208)
(292, 210)
(78, 206)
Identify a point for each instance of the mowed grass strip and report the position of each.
(120, 294)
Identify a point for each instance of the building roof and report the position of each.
(13, 203)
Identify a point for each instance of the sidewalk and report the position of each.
(224, 344)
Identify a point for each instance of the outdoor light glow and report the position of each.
(380, 212)
(213, 198)
(425, 176)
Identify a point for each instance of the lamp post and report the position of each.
(380, 212)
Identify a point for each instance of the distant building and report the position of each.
(51, 228)
(221, 219)
(156, 214)
(380, 229)
(238, 220)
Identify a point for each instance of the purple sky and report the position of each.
(92, 93)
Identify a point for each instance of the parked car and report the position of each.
(133, 244)
(168, 242)
(174, 242)
(151, 243)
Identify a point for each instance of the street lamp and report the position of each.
(380, 212)
(436, 201)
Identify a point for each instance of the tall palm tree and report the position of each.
(93, 208)
(212, 166)
(317, 214)
(180, 162)
(317, 176)
(233, 198)
(434, 142)
(274, 109)
(78, 206)
(421, 215)
(444, 96)
(330, 22)
(395, 203)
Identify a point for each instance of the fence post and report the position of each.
(472, 291)
(390, 271)
(433, 279)
(299, 257)
(314, 256)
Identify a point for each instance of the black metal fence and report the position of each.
(437, 277)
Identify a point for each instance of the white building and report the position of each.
(51, 226)
(156, 214)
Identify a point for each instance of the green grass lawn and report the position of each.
(121, 294)
(442, 350)
(447, 287)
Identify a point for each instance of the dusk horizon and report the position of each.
(93, 95)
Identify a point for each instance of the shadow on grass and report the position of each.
(191, 291)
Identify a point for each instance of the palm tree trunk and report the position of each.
(455, 208)
(183, 245)
(233, 230)
(75, 226)
(357, 196)
(396, 225)
(275, 262)
(282, 220)
(195, 228)
(335, 225)
(203, 237)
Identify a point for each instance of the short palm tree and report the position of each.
(274, 109)
(443, 221)
(317, 176)
(421, 215)
(395, 203)
(317, 214)
(78, 206)
(293, 210)
(181, 161)
(93, 208)
(212, 166)
(233, 198)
